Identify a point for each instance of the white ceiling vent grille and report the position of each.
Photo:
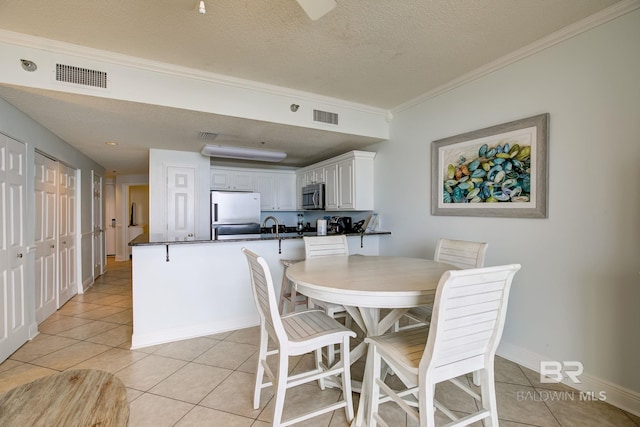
(325, 117)
(81, 76)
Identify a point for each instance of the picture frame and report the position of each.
(499, 171)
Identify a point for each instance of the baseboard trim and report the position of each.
(616, 395)
(87, 284)
(178, 334)
(33, 330)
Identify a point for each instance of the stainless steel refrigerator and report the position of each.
(234, 215)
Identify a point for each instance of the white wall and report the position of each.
(577, 296)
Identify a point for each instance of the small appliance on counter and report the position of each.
(340, 224)
(322, 227)
(234, 215)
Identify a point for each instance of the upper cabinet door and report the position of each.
(331, 195)
(346, 184)
(277, 191)
(285, 186)
(265, 186)
(232, 180)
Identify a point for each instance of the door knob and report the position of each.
(52, 246)
(19, 255)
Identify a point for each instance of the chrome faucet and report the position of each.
(264, 224)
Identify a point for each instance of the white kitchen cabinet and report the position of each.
(348, 181)
(315, 176)
(331, 191)
(231, 179)
(347, 190)
(277, 190)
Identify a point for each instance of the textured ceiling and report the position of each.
(374, 52)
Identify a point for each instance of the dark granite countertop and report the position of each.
(143, 239)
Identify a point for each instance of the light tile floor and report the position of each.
(208, 381)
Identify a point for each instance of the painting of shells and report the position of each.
(497, 171)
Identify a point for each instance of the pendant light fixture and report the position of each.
(201, 8)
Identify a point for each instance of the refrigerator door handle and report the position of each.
(215, 212)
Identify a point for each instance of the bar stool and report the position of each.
(288, 291)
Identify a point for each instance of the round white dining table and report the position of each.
(366, 284)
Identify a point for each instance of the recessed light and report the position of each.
(111, 143)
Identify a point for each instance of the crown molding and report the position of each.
(63, 48)
(570, 31)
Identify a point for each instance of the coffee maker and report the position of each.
(340, 224)
(345, 221)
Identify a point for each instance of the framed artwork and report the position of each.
(499, 171)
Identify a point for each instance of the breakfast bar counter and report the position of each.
(187, 289)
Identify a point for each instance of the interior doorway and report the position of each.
(138, 212)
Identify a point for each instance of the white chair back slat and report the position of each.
(460, 253)
(472, 328)
(468, 316)
(325, 246)
(264, 295)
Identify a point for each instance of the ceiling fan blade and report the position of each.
(316, 9)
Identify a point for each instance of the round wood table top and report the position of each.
(369, 281)
(81, 397)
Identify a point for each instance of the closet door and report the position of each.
(68, 283)
(46, 259)
(14, 330)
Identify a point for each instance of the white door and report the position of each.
(14, 330)
(67, 277)
(109, 200)
(98, 228)
(73, 232)
(181, 221)
(46, 259)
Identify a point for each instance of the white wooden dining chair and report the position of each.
(459, 253)
(295, 334)
(465, 330)
(320, 246)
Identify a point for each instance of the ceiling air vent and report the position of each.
(81, 76)
(325, 117)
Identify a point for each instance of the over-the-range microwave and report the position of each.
(313, 196)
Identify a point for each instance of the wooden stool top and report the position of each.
(80, 397)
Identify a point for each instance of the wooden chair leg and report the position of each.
(280, 389)
(264, 343)
(293, 297)
(283, 291)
